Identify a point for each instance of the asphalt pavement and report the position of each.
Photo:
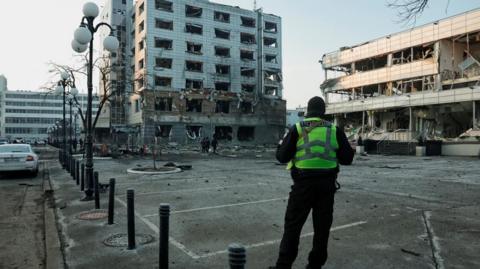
(392, 212)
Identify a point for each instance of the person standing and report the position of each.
(202, 144)
(214, 144)
(313, 149)
(207, 144)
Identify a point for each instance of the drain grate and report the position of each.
(121, 240)
(93, 215)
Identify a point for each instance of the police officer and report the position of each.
(313, 148)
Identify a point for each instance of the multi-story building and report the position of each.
(202, 69)
(115, 72)
(422, 82)
(3, 89)
(295, 115)
(28, 114)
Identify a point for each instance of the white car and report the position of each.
(18, 157)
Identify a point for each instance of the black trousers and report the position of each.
(317, 195)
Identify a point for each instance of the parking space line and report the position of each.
(434, 244)
(273, 242)
(220, 206)
(201, 189)
(155, 229)
(163, 180)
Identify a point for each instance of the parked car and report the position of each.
(18, 140)
(18, 157)
(3, 141)
(40, 142)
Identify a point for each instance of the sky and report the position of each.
(36, 32)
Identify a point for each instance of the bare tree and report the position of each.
(408, 10)
(107, 89)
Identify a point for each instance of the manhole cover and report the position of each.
(152, 171)
(93, 215)
(121, 240)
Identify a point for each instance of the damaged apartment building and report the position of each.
(201, 69)
(419, 83)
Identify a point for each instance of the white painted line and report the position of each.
(201, 189)
(171, 179)
(401, 194)
(436, 249)
(277, 241)
(220, 206)
(155, 229)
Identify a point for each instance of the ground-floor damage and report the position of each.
(188, 117)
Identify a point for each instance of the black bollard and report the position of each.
(72, 167)
(237, 256)
(111, 201)
(77, 172)
(82, 177)
(96, 191)
(67, 162)
(164, 213)
(72, 170)
(131, 219)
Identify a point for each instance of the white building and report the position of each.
(422, 82)
(295, 115)
(28, 114)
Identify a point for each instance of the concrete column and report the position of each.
(474, 118)
(389, 59)
(371, 119)
(410, 122)
(436, 57)
(363, 123)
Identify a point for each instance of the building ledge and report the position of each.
(407, 100)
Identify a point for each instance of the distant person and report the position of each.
(313, 148)
(207, 144)
(74, 143)
(81, 143)
(202, 144)
(214, 144)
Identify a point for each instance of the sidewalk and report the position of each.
(28, 226)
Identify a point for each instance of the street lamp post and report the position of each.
(60, 89)
(71, 99)
(83, 37)
(75, 126)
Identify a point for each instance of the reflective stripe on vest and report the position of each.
(324, 156)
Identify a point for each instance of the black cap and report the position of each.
(316, 107)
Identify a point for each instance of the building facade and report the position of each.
(28, 115)
(200, 69)
(423, 82)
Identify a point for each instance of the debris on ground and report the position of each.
(390, 167)
(410, 252)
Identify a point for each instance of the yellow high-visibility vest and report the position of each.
(316, 145)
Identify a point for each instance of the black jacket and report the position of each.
(288, 147)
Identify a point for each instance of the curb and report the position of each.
(53, 251)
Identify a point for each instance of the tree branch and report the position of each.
(408, 10)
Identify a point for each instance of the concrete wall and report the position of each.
(461, 149)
